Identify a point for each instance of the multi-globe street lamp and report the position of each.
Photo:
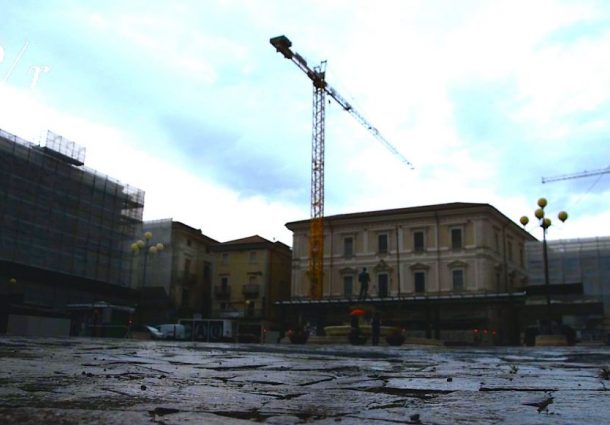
(148, 248)
(12, 289)
(545, 223)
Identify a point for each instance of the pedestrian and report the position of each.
(375, 328)
(364, 280)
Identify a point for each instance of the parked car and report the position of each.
(167, 331)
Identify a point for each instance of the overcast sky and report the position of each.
(188, 101)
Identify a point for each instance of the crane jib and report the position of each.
(316, 235)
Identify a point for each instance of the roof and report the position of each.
(194, 232)
(250, 242)
(410, 210)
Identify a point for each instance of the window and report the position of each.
(456, 238)
(187, 266)
(521, 262)
(185, 297)
(420, 282)
(250, 308)
(458, 280)
(382, 284)
(252, 257)
(382, 243)
(418, 241)
(348, 286)
(224, 282)
(497, 236)
(348, 247)
(252, 279)
(509, 248)
(188, 242)
(225, 258)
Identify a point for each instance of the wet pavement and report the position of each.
(105, 381)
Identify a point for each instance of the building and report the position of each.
(64, 232)
(174, 278)
(579, 284)
(439, 271)
(251, 275)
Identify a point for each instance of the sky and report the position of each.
(188, 101)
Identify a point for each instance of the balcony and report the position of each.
(251, 290)
(222, 292)
(189, 279)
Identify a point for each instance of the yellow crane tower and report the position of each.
(320, 88)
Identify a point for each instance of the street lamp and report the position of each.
(12, 286)
(545, 223)
(149, 248)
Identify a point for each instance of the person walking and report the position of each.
(375, 328)
(364, 280)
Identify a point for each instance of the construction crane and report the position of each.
(320, 88)
(576, 175)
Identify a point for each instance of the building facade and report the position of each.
(432, 269)
(251, 274)
(579, 284)
(64, 231)
(172, 272)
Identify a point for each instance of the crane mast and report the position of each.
(576, 175)
(317, 74)
(316, 226)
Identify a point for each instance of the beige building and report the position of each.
(251, 274)
(175, 278)
(423, 263)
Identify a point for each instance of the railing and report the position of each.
(251, 290)
(189, 278)
(222, 292)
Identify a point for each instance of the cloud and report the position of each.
(483, 98)
(171, 191)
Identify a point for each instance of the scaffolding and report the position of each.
(65, 149)
(585, 261)
(58, 215)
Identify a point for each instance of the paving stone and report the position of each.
(105, 381)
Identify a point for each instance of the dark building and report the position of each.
(174, 278)
(578, 294)
(65, 231)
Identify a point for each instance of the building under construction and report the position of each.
(65, 232)
(578, 291)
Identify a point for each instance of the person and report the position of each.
(375, 328)
(364, 279)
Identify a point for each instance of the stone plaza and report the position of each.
(119, 381)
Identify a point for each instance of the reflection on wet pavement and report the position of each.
(72, 381)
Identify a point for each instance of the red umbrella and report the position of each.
(357, 312)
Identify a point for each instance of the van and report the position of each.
(167, 331)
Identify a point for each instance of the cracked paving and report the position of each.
(95, 381)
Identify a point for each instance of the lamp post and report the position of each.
(12, 290)
(149, 248)
(545, 223)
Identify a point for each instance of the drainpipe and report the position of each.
(330, 272)
(505, 265)
(438, 251)
(398, 259)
